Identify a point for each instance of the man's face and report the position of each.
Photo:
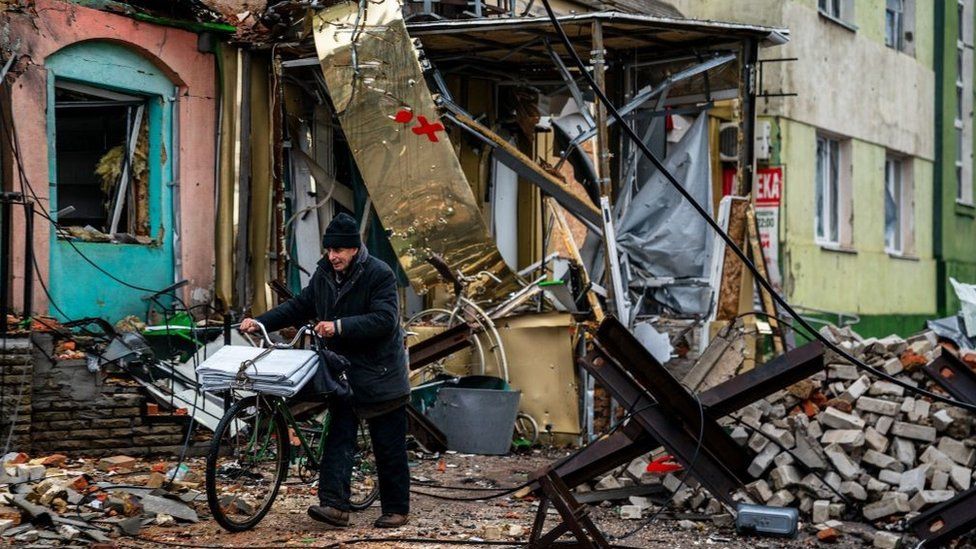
(341, 258)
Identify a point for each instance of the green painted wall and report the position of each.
(867, 281)
(955, 229)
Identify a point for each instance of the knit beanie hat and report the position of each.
(343, 232)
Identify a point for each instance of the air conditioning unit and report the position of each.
(728, 142)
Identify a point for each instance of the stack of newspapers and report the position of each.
(280, 372)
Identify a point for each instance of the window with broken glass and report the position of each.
(827, 184)
(102, 167)
(963, 122)
(894, 23)
(893, 205)
(838, 11)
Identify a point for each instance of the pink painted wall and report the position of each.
(53, 25)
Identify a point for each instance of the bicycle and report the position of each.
(464, 309)
(256, 442)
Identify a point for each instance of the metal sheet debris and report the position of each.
(409, 166)
(967, 299)
(656, 228)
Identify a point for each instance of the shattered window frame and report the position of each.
(124, 165)
(963, 122)
(894, 197)
(895, 24)
(827, 191)
(838, 11)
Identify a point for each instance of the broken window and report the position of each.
(894, 23)
(963, 116)
(841, 11)
(828, 190)
(102, 146)
(893, 205)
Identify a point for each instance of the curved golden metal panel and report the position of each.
(408, 164)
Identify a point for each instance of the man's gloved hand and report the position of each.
(325, 328)
(249, 326)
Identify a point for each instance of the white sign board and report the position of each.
(769, 192)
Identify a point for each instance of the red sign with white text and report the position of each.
(769, 186)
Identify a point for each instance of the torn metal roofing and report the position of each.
(498, 37)
(189, 15)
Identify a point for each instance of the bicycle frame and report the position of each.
(315, 456)
(279, 406)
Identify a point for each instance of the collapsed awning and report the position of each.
(520, 40)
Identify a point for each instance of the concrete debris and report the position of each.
(54, 499)
(859, 441)
(841, 445)
(886, 540)
(630, 512)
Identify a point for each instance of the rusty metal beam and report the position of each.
(720, 472)
(674, 400)
(947, 520)
(576, 517)
(622, 446)
(753, 385)
(954, 376)
(440, 345)
(425, 432)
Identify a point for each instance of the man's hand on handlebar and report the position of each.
(250, 326)
(325, 328)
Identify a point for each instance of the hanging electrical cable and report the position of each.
(632, 135)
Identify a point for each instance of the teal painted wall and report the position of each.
(78, 288)
(955, 224)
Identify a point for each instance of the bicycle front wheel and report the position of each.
(247, 462)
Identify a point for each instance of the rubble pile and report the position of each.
(53, 500)
(841, 445)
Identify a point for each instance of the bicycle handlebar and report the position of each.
(444, 270)
(458, 279)
(267, 339)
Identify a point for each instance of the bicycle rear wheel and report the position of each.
(247, 461)
(364, 486)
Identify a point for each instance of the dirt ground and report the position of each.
(287, 525)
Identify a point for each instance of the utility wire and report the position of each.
(632, 135)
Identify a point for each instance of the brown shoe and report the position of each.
(329, 515)
(390, 520)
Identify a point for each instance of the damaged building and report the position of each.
(169, 168)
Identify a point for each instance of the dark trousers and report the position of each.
(388, 433)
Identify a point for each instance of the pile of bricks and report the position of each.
(76, 411)
(887, 451)
(842, 444)
(54, 500)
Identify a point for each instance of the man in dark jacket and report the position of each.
(354, 298)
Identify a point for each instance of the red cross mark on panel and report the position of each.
(423, 127)
(426, 128)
